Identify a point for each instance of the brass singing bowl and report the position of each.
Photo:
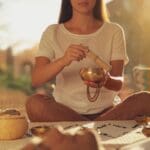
(92, 74)
(39, 130)
(95, 75)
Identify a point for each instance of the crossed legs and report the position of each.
(41, 108)
(135, 105)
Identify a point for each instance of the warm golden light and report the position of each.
(26, 20)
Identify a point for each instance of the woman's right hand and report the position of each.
(74, 53)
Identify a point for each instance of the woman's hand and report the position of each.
(74, 53)
(100, 84)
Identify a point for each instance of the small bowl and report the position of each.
(39, 130)
(146, 131)
(12, 127)
(142, 120)
(92, 74)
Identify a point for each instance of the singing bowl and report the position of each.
(146, 131)
(95, 75)
(39, 130)
(142, 120)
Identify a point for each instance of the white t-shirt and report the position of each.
(108, 42)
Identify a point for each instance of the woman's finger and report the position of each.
(80, 53)
(77, 56)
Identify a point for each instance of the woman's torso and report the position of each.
(70, 89)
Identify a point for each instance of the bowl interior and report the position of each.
(92, 74)
(39, 130)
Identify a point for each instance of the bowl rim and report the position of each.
(12, 117)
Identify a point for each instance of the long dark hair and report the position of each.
(99, 11)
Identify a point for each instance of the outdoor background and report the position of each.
(22, 23)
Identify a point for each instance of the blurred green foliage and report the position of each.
(23, 83)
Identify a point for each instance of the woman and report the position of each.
(63, 49)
